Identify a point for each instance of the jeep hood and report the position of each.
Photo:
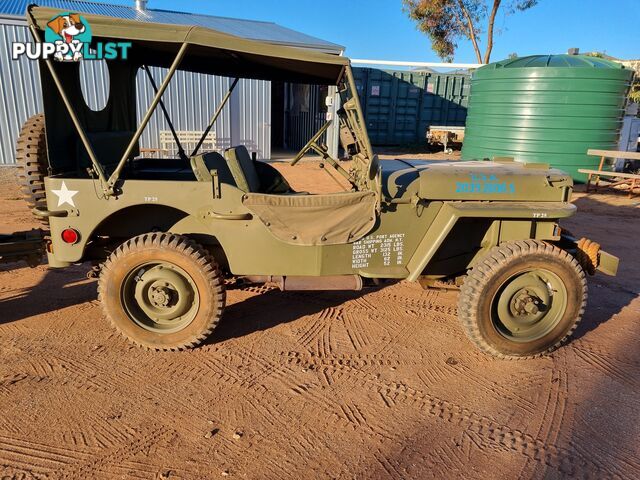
(474, 180)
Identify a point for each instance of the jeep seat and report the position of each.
(203, 163)
(243, 169)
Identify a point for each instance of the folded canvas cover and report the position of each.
(331, 219)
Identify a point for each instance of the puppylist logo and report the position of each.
(67, 37)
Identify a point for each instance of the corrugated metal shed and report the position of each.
(20, 95)
(253, 29)
(190, 99)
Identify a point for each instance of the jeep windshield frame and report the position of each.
(202, 50)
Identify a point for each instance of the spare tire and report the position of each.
(32, 163)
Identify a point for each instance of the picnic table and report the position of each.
(632, 180)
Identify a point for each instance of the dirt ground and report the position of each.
(381, 384)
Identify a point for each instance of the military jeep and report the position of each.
(166, 234)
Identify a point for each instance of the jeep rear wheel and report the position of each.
(524, 299)
(31, 160)
(162, 291)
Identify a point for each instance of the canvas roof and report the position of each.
(210, 51)
(270, 32)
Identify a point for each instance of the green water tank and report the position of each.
(546, 108)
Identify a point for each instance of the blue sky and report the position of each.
(379, 29)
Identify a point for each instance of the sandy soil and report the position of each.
(382, 384)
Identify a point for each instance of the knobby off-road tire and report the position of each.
(523, 300)
(162, 291)
(31, 160)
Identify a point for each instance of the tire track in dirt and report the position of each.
(320, 398)
(282, 459)
(222, 371)
(435, 374)
(356, 331)
(105, 461)
(7, 382)
(323, 339)
(104, 433)
(81, 375)
(367, 330)
(488, 429)
(388, 465)
(493, 433)
(54, 334)
(9, 472)
(10, 425)
(99, 432)
(555, 407)
(555, 390)
(410, 295)
(360, 417)
(367, 302)
(602, 362)
(615, 456)
(309, 333)
(34, 371)
(37, 457)
(444, 317)
(447, 458)
(425, 301)
(355, 360)
(495, 388)
(387, 347)
(263, 368)
(14, 331)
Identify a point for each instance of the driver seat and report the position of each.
(243, 169)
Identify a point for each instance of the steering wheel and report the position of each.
(310, 143)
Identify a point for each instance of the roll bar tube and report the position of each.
(167, 117)
(215, 116)
(165, 83)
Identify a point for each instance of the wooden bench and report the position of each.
(617, 178)
(188, 139)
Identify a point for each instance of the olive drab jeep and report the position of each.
(166, 233)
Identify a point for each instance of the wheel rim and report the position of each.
(529, 305)
(160, 297)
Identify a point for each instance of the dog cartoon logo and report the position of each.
(69, 31)
(68, 38)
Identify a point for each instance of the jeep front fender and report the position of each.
(451, 212)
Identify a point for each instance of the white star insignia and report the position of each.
(65, 195)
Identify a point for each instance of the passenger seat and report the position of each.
(205, 162)
(243, 169)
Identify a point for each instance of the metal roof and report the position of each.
(252, 29)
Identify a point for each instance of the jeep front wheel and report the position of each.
(162, 291)
(524, 299)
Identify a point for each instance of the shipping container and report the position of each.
(399, 106)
